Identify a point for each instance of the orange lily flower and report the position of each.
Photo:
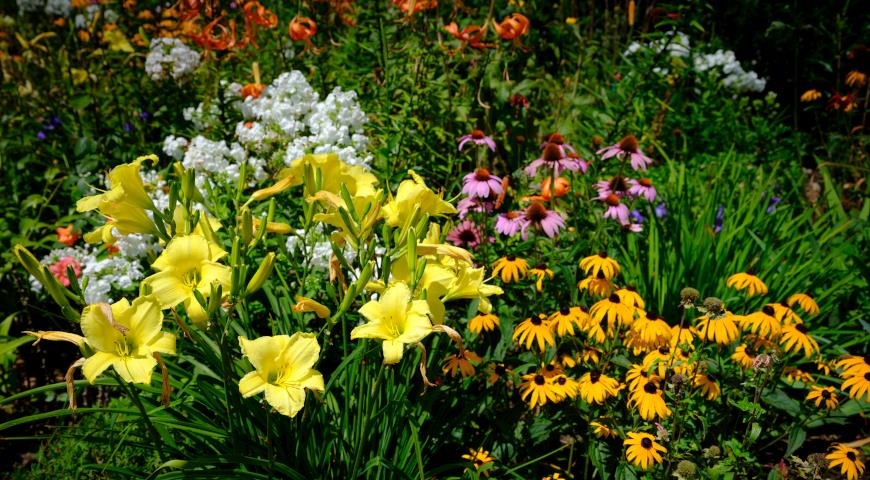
(223, 41)
(302, 29)
(562, 188)
(257, 14)
(66, 236)
(512, 27)
(410, 7)
(471, 35)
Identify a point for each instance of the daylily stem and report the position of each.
(365, 429)
(155, 437)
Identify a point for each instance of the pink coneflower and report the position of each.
(559, 141)
(478, 138)
(584, 165)
(632, 227)
(466, 234)
(616, 186)
(627, 146)
(509, 223)
(615, 209)
(642, 188)
(537, 215)
(476, 204)
(554, 156)
(59, 269)
(480, 183)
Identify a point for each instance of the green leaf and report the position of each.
(754, 432)
(80, 102)
(780, 400)
(795, 439)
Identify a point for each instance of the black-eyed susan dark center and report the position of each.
(768, 310)
(801, 328)
(646, 443)
(594, 376)
(650, 388)
(539, 380)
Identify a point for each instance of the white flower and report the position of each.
(170, 57)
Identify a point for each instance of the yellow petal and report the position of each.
(135, 370)
(168, 288)
(251, 384)
(286, 400)
(305, 304)
(392, 351)
(96, 364)
(98, 329)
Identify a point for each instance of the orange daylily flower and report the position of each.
(410, 7)
(471, 35)
(66, 236)
(302, 29)
(562, 187)
(512, 27)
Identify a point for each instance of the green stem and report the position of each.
(365, 428)
(155, 437)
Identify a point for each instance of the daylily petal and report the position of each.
(251, 384)
(135, 370)
(97, 364)
(286, 400)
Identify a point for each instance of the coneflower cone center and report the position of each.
(481, 174)
(611, 200)
(467, 236)
(552, 153)
(477, 134)
(556, 138)
(628, 144)
(536, 212)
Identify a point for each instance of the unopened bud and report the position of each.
(262, 273)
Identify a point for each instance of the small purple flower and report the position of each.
(234, 5)
(480, 183)
(642, 188)
(616, 186)
(478, 138)
(554, 156)
(537, 215)
(40, 135)
(771, 204)
(144, 115)
(720, 220)
(627, 146)
(636, 216)
(509, 223)
(466, 234)
(55, 121)
(616, 209)
(661, 210)
(128, 127)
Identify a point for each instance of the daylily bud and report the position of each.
(275, 189)
(262, 273)
(305, 304)
(247, 226)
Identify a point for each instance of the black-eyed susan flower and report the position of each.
(643, 451)
(495, 371)
(538, 391)
(747, 281)
(658, 360)
(629, 296)
(795, 338)
(510, 268)
(535, 329)
(601, 430)
(683, 337)
(857, 386)
(853, 365)
(563, 321)
(652, 331)
(718, 327)
(650, 401)
(479, 458)
(811, 95)
(613, 310)
(551, 370)
(828, 395)
(683, 364)
(565, 358)
(590, 355)
(636, 377)
(541, 273)
(707, 383)
(806, 302)
(856, 79)
(594, 331)
(785, 314)
(566, 386)
(764, 323)
(460, 362)
(485, 322)
(595, 387)
(847, 459)
(593, 264)
(793, 375)
(744, 355)
(597, 285)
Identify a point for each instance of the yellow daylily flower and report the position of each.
(283, 369)
(412, 195)
(124, 203)
(125, 336)
(395, 319)
(333, 173)
(305, 304)
(188, 263)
